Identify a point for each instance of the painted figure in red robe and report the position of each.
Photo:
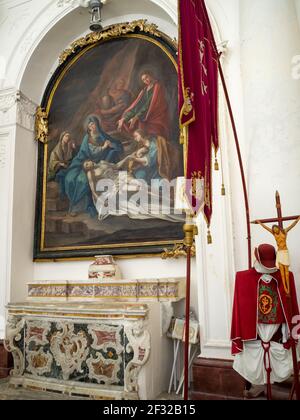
(149, 111)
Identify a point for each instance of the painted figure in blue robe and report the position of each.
(96, 146)
(155, 158)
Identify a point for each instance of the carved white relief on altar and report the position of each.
(14, 327)
(139, 344)
(69, 349)
(39, 362)
(100, 351)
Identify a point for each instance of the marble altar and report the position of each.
(103, 340)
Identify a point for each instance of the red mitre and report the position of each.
(245, 306)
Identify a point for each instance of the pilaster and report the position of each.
(15, 110)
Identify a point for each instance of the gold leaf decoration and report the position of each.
(178, 251)
(41, 125)
(110, 32)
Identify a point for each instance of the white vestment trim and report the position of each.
(250, 363)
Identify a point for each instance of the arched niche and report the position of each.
(30, 70)
(38, 67)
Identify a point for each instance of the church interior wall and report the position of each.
(271, 109)
(31, 49)
(22, 268)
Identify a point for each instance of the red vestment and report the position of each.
(245, 306)
(157, 120)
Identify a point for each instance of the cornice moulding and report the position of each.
(17, 108)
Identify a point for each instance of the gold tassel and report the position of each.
(223, 190)
(209, 238)
(216, 165)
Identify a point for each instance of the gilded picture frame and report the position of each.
(98, 80)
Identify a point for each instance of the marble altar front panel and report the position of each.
(94, 350)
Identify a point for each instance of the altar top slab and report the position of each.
(107, 281)
(74, 310)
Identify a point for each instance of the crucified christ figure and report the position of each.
(283, 257)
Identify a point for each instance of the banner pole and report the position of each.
(187, 324)
(190, 230)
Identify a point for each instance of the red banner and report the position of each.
(198, 99)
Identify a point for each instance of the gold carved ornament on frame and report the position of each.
(113, 31)
(41, 125)
(179, 251)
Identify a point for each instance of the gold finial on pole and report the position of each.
(209, 237)
(223, 190)
(216, 164)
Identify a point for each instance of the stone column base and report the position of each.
(6, 362)
(216, 380)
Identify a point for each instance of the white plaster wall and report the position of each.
(270, 38)
(6, 170)
(263, 42)
(22, 268)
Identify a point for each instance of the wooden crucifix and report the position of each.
(280, 234)
(283, 264)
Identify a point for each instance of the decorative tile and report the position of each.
(139, 290)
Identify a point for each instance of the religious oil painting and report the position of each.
(106, 172)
